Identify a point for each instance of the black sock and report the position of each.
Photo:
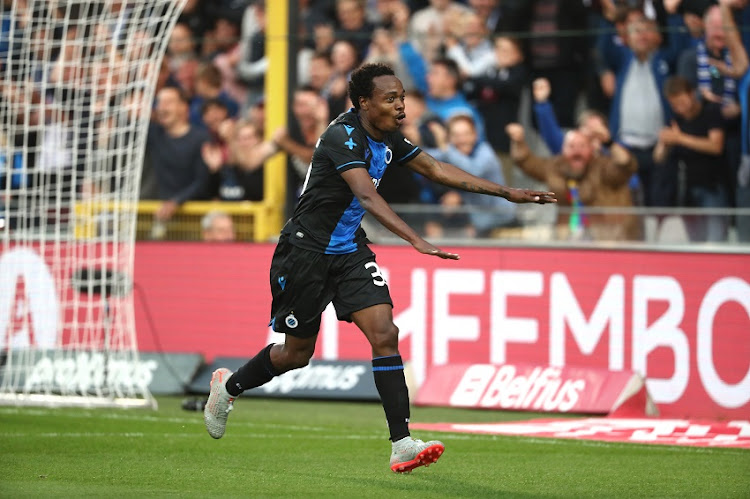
(256, 372)
(391, 384)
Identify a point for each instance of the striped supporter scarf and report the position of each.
(706, 72)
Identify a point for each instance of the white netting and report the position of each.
(77, 79)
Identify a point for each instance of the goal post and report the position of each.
(77, 81)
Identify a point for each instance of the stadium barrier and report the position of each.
(528, 387)
(678, 319)
(321, 379)
(253, 221)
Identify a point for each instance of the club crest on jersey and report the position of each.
(291, 321)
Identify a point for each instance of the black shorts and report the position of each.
(304, 282)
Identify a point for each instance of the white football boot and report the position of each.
(219, 404)
(409, 453)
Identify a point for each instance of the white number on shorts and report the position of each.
(377, 276)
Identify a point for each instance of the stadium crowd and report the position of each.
(628, 104)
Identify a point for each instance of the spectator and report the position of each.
(444, 97)
(639, 109)
(311, 118)
(583, 180)
(386, 12)
(185, 76)
(209, 85)
(194, 16)
(344, 57)
(217, 227)
(714, 65)
(353, 26)
(174, 148)
(591, 122)
(497, 94)
(56, 155)
(716, 60)
(461, 146)
(417, 124)
(213, 113)
(251, 62)
(328, 84)
(611, 43)
(391, 46)
(417, 127)
(560, 59)
(224, 35)
(489, 11)
(468, 45)
(257, 113)
(181, 47)
(237, 171)
(696, 139)
(427, 26)
(742, 192)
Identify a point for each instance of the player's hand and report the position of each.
(529, 196)
(427, 249)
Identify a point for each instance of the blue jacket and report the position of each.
(549, 128)
(416, 65)
(742, 92)
(458, 104)
(662, 65)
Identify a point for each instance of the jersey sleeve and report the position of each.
(345, 147)
(403, 150)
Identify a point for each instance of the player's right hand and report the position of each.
(427, 249)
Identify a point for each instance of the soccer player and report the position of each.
(322, 256)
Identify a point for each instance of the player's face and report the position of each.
(385, 109)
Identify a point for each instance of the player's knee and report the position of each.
(385, 338)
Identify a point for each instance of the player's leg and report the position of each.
(362, 296)
(273, 360)
(298, 285)
(407, 453)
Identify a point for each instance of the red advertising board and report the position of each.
(528, 387)
(680, 319)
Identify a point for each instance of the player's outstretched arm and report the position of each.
(452, 176)
(361, 185)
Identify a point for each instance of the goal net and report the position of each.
(77, 79)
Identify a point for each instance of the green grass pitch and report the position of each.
(283, 448)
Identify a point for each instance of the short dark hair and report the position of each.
(677, 85)
(209, 74)
(213, 103)
(361, 83)
(181, 94)
(451, 66)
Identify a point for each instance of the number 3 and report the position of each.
(377, 275)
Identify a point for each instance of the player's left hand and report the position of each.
(529, 196)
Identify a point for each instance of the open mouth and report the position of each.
(400, 118)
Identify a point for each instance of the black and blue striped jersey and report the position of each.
(328, 215)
